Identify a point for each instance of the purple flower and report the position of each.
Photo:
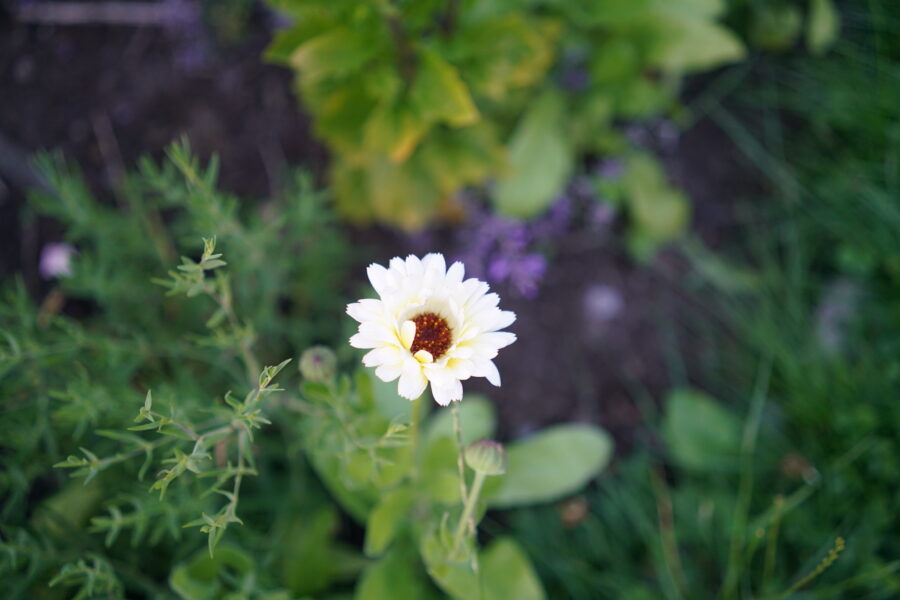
(56, 260)
(526, 274)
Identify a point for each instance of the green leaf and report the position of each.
(477, 419)
(308, 564)
(440, 476)
(395, 130)
(507, 572)
(388, 402)
(659, 212)
(333, 54)
(385, 519)
(200, 578)
(503, 53)
(823, 26)
(687, 44)
(439, 93)
(541, 160)
(552, 464)
(775, 27)
(396, 576)
(699, 432)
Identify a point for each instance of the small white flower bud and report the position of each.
(486, 456)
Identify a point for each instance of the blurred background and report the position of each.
(693, 206)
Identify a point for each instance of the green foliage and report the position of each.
(195, 473)
(780, 482)
(417, 100)
(404, 485)
(73, 387)
(657, 212)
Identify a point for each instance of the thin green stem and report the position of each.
(457, 429)
(418, 407)
(745, 486)
(668, 539)
(469, 508)
(771, 543)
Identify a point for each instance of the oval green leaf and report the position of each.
(552, 464)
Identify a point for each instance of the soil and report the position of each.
(598, 339)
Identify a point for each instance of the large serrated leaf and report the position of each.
(439, 93)
(333, 54)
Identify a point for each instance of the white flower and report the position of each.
(430, 326)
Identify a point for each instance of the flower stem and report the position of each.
(469, 508)
(457, 428)
(418, 406)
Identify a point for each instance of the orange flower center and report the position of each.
(432, 334)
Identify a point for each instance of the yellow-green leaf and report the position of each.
(395, 130)
(333, 54)
(439, 93)
(823, 27)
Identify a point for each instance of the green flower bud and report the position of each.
(318, 364)
(486, 456)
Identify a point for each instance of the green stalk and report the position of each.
(457, 429)
(469, 508)
(745, 486)
(414, 435)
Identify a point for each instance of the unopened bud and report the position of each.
(318, 364)
(486, 456)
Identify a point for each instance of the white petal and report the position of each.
(497, 339)
(486, 368)
(455, 273)
(501, 319)
(424, 356)
(412, 380)
(378, 277)
(472, 290)
(398, 266)
(365, 309)
(435, 261)
(407, 333)
(376, 330)
(383, 355)
(486, 302)
(413, 267)
(388, 373)
(362, 341)
(444, 395)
